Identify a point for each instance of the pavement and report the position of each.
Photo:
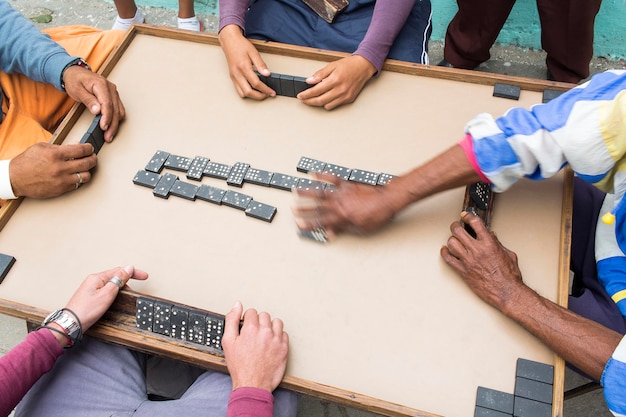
(505, 59)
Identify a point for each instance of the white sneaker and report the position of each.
(125, 24)
(190, 23)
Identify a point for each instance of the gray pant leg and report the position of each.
(96, 379)
(208, 397)
(285, 403)
(93, 379)
(169, 378)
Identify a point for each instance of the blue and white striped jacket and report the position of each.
(584, 128)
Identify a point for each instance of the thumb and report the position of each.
(320, 74)
(88, 99)
(81, 93)
(231, 327)
(92, 104)
(259, 64)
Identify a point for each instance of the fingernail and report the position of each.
(237, 305)
(129, 269)
(94, 108)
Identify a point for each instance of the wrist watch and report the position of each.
(70, 325)
(74, 62)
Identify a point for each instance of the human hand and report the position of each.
(487, 267)
(45, 170)
(97, 292)
(338, 83)
(351, 207)
(242, 57)
(256, 355)
(98, 95)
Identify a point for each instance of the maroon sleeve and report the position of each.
(233, 12)
(23, 365)
(250, 402)
(387, 20)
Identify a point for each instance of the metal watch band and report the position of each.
(68, 323)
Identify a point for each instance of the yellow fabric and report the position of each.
(31, 110)
(619, 296)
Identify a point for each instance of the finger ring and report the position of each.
(77, 185)
(80, 178)
(117, 281)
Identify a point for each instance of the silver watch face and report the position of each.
(66, 321)
(51, 317)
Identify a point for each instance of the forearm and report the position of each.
(388, 19)
(446, 171)
(233, 12)
(21, 367)
(27, 51)
(584, 343)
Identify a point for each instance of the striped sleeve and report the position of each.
(585, 128)
(614, 381)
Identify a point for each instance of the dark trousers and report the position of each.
(266, 19)
(566, 34)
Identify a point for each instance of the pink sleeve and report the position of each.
(250, 402)
(468, 146)
(23, 365)
(233, 12)
(388, 19)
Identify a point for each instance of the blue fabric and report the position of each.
(550, 117)
(612, 273)
(589, 298)
(25, 50)
(555, 114)
(495, 153)
(585, 128)
(265, 21)
(614, 383)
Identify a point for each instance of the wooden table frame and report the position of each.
(118, 325)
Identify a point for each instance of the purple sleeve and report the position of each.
(250, 402)
(387, 20)
(233, 12)
(23, 365)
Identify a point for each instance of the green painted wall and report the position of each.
(207, 7)
(522, 28)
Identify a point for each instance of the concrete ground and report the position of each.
(505, 60)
